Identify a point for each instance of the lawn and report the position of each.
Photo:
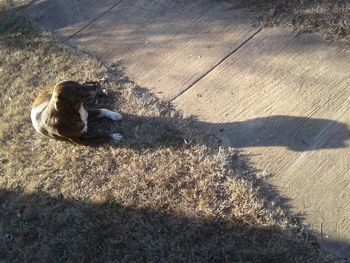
(167, 193)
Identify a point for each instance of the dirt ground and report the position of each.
(167, 193)
(330, 19)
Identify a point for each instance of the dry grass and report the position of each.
(329, 18)
(166, 194)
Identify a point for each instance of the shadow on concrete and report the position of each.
(41, 228)
(63, 13)
(58, 14)
(295, 133)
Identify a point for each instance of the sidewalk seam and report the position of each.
(92, 21)
(214, 67)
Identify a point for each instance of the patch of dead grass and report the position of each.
(331, 19)
(167, 193)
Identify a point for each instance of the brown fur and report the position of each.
(58, 113)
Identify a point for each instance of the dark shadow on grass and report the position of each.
(40, 228)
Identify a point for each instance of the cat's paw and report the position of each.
(116, 137)
(114, 116)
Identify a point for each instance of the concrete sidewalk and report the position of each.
(284, 99)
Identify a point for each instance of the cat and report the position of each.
(59, 113)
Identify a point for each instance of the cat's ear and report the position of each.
(91, 89)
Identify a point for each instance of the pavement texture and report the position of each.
(282, 98)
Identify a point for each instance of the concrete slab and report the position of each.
(66, 17)
(166, 45)
(286, 101)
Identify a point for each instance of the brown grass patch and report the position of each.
(329, 18)
(166, 194)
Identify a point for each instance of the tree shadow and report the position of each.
(40, 228)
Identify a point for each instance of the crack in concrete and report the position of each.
(92, 21)
(218, 64)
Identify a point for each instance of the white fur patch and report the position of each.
(115, 116)
(63, 81)
(116, 137)
(34, 112)
(84, 116)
